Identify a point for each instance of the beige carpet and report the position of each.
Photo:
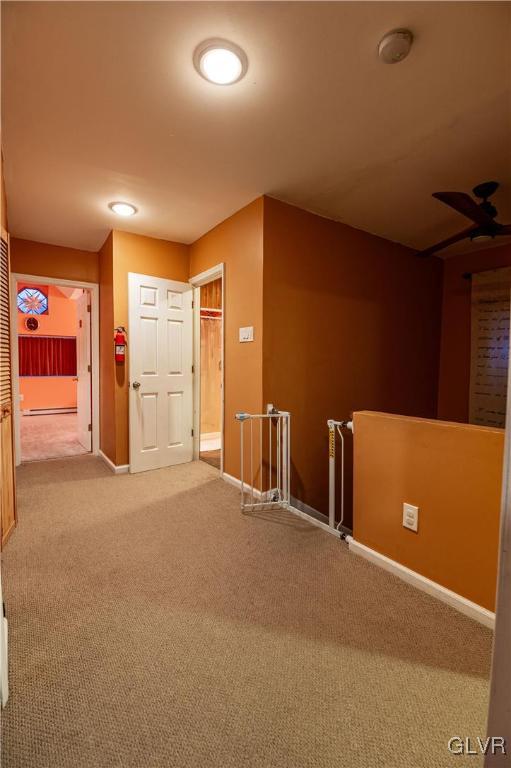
(50, 436)
(213, 458)
(153, 625)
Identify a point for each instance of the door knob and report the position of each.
(136, 385)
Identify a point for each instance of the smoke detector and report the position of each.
(395, 46)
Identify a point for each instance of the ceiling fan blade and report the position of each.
(444, 243)
(464, 204)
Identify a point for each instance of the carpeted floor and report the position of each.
(50, 436)
(152, 625)
(212, 458)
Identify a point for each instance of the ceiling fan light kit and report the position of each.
(481, 237)
(482, 215)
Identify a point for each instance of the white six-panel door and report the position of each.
(160, 340)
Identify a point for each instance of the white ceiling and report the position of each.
(101, 102)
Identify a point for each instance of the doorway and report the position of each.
(211, 372)
(209, 365)
(55, 378)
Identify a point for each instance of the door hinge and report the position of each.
(193, 369)
(90, 427)
(80, 324)
(89, 369)
(193, 303)
(88, 307)
(192, 432)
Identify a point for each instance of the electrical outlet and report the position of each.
(411, 517)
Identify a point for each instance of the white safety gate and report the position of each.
(333, 428)
(265, 455)
(265, 459)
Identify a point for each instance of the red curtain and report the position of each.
(47, 355)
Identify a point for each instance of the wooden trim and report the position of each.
(10, 530)
(7, 450)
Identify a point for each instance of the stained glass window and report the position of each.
(32, 301)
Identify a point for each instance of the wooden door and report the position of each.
(7, 495)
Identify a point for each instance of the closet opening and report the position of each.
(208, 301)
(211, 373)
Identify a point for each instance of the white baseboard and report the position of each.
(461, 604)
(234, 481)
(311, 518)
(117, 469)
(303, 507)
(298, 511)
(231, 480)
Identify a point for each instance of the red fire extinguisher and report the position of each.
(120, 341)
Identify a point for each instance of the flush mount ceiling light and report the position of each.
(123, 209)
(220, 61)
(395, 46)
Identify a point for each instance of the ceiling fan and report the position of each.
(481, 214)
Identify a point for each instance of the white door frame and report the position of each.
(17, 277)
(197, 281)
(499, 712)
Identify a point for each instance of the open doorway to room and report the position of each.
(211, 372)
(53, 369)
(208, 363)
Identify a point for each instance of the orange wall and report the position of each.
(454, 378)
(106, 350)
(453, 473)
(238, 243)
(47, 392)
(44, 260)
(350, 321)
(3, 198)
(61, 320)
(121, 253)
(149, 256)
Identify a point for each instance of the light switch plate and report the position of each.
(411, 517)
(247, 333)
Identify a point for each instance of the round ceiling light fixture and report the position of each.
(395, 46)
(220, 61)
(123, 209)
